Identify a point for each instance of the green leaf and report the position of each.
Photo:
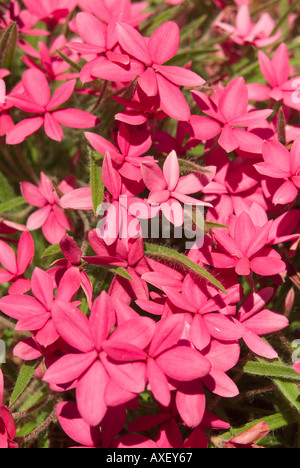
(11, 204)
(24, 379)
(52, 250)
(6, 192)
(270, 369)
(121, 272)
(8, 44)
(97, 185)
(210, 225)
(174, 257)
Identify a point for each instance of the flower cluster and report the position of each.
(120, 313)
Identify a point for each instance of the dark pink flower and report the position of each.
(37, 100)
(16, 265)
(50, 216)
(24, 19)
(7, 423)
(73, 258)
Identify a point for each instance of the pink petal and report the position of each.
(79, 199)
(62, 94)
(75, 427)
(259, 346)
(36, 86)
(158, 383)
(24, 129)
(38, 218)
(235, 92)
(179, 76)
(183, 363)
(129, 376)
(52, 129)
(191, 402)
(32, 194)
(133, 43)
(25, 252)
(172, 101)
(171, 171)
(75, 118)
(267, 266)
(52, 229)
(8, 258)
(102, 319)
(90, 391)
(91, 30)
(220, 384)
(147, 81)
(42, 287)
(69, 367)
(287, 193)
(164, 42)
(204, 128)
(73, 326)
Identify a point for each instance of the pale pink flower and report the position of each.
(51, 12)
(168, 190)
(245, 31)
(37, 100)
(50, 216)
(247, 438)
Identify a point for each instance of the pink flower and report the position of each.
(169, 190)
(246, 31)
(7, 423)
(280, 163)
(277, 72)
(258, 321)
(90, 368)
(229, 118)
(37, 100)
(16, 266)
(158, 79)
(296, 367)
(245, 248)
(48, 60)
(34, 313)
(111, 11)
(24, 19)
(50, 216)
(51, 12)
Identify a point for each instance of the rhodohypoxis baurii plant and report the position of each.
(116, 330)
